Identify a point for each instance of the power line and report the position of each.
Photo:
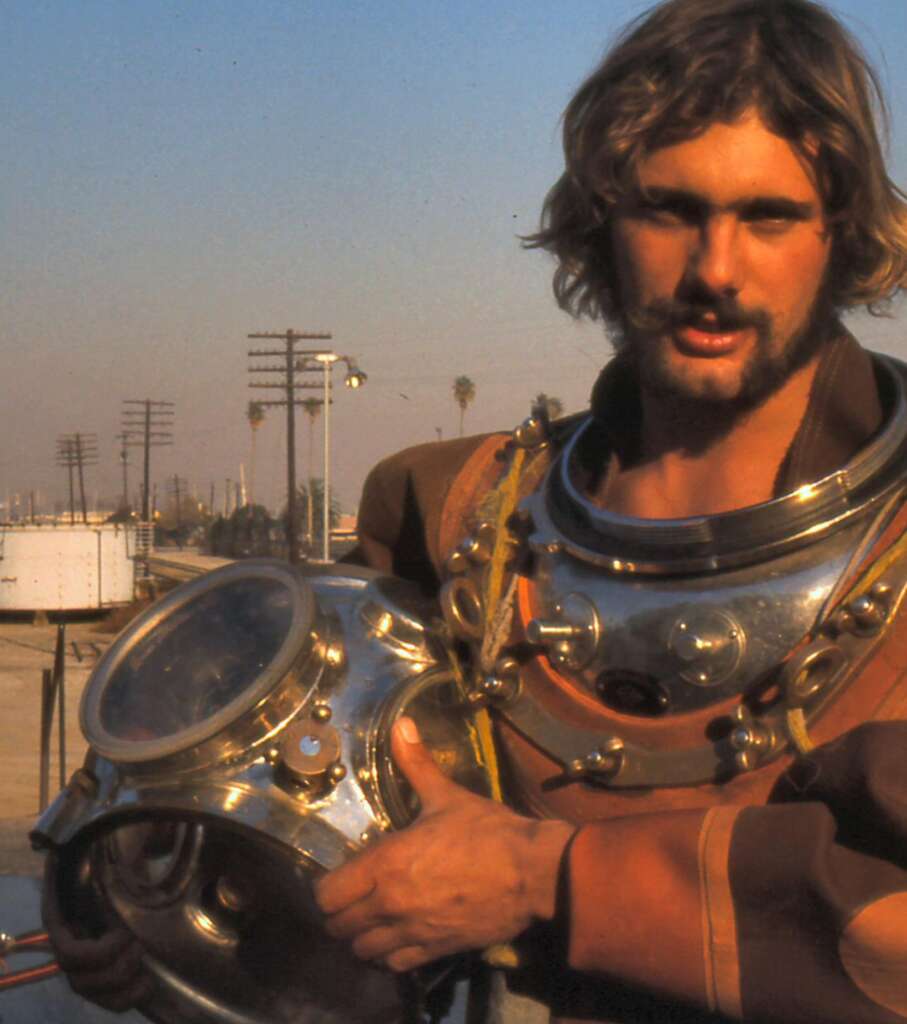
(145, 424)
(75, 451)
(176, 488)
(294, 362)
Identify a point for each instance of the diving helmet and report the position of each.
(239, 747)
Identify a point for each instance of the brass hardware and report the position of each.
(334, 655)
(502, 684)
(310, 754)
(708, 645)
(605, 761)
(866, 614)
(462, 608)
(480, 546)
(545, 631)
(750, 739)
(457, 562)
(476, 549)
(321, 712)
(571, 635)
(809, 671)
(531, 433)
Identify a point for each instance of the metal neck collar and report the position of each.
(708, 543)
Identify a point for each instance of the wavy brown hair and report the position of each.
(687, 64)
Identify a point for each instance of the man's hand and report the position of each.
(107, 970)
(467, 873)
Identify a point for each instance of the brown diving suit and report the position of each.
(777, 895)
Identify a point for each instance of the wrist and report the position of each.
(544, 850)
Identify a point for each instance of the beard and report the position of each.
(764, 373)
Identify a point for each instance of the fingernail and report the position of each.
(408, 730)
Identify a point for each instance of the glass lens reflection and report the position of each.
(198, 660)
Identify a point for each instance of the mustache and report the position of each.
(717, 314)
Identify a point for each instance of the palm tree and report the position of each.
(311, 407)
(464, 392)
(255, 414)
(553, 407)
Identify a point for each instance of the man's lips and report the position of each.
(710, 340)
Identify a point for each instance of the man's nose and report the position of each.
(715, 262)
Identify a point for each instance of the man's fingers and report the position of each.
(345, 886)
(355, 919)
(408, 958)
(76, 954)
(377, 942)
(415, 761)
(111, 978)
(118, 986)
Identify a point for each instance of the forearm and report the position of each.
(759, 913)
(636, 902)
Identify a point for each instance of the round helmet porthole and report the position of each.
(207, 669)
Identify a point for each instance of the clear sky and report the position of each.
(178, 174)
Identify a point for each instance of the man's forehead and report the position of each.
(729, 162)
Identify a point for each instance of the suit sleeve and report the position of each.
(793, 912)
(401, 507)
(391, 525)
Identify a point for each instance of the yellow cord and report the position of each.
(507, 496)
(798, 731)
(501, 503)
(878, 568)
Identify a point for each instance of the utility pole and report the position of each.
(124, 465)
(145, 425)
(64, 458)
(177, 491)
(291, 354)
(75, 451)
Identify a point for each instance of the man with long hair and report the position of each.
(735, 848)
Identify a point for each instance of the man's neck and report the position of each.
(691, 464)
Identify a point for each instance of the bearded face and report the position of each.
(722, 256)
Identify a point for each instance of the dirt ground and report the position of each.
(25, 650)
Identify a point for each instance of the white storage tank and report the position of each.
(66, 567)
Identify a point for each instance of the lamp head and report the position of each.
(355, 378)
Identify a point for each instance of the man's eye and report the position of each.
(770, 219)
(767, 224)
(669, 214)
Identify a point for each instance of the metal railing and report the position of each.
(53, 697)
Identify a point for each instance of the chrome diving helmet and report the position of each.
(239, 734)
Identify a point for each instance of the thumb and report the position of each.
(415, 761)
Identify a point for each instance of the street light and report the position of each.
(355, 378)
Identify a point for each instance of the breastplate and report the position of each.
(677, 652)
